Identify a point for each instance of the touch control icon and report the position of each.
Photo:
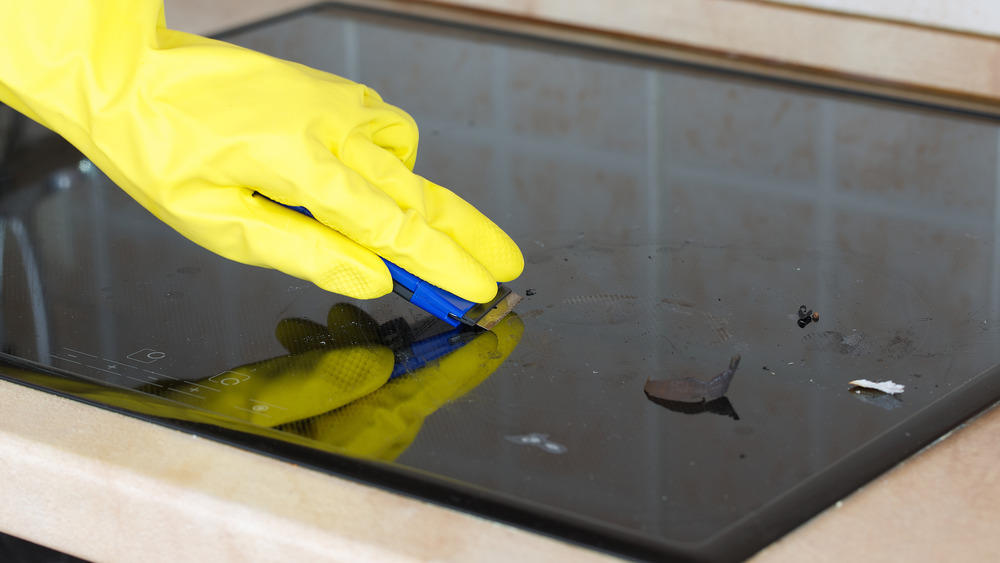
(229, 378)
(147, 356)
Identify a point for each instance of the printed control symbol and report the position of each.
(146, 355)
(229, 378)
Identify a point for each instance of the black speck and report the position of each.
(764, 368)
(529, 292)
(743, 456)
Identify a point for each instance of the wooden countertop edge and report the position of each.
(939, 505)
(106, 487)
(837, 49)
(780, 39)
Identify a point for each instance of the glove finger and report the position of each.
(351, 325)
(301, 386)
(480, 358)
(344, 200)
(348, 326)
(392, 129)
(395, 131)
(383, 424)
(436, 235)
(231, 222)
(300, 335)
(441, 208)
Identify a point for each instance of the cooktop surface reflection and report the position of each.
(676, 223)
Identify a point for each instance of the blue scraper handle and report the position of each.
(444, 305)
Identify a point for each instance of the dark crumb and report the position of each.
(529, 292)
(763, 368)
(807, 316)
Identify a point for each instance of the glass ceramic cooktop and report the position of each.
(671, 218)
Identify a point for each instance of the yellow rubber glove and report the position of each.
(192, 128)
(334, 387)
(381, 425)
(325, 369)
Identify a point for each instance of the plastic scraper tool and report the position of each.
(444, 305)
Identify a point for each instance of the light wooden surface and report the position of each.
(940, 505)
(107, 487)
(780, 35)
(976, 16)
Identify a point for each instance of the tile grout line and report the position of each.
(653, 154)
(824, 234)
(995, 285)
(503, 162)
(352, 50)
(654, 217)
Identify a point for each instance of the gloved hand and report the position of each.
(334, 386)
(192, 128)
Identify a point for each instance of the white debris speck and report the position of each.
(883, 386)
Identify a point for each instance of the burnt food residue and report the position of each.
(691, 390)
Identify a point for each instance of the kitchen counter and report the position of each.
(87, 481)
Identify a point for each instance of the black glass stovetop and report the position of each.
(671, 218)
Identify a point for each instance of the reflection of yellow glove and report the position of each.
(325, 369)
(191, 128)
(290, 388)
(383, 424)
(332, 387)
